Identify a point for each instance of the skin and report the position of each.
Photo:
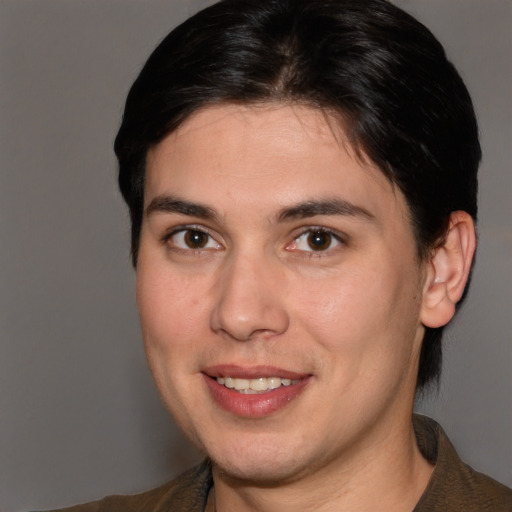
(349, 317)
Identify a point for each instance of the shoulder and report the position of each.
(454, 485)
(186, 493)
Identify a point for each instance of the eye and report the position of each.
(316, 240)
(192, 239)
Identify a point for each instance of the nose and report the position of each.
(249, 300)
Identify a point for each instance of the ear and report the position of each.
(448, 271)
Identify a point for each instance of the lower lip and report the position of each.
(257, 405)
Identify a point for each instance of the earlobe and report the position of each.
(448, 271)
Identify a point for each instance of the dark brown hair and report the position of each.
(402, 102)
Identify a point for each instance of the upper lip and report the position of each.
(251, 372)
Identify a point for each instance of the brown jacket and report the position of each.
(453, 487)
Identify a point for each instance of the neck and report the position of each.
(388, 474)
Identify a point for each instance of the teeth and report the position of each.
(274, 382)
(253, 386)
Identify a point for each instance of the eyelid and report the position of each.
(183, 227)
(189, 227)
(331, 231)
(337, 236)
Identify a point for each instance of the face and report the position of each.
(279, 291)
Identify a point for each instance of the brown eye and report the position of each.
(319, 240)
(316, 240)
(195, 239)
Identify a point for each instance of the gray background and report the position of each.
(78, 414)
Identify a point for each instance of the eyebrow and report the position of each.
(170, 204)
(323, 207)
(311, 208)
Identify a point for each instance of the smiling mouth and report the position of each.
(254, 392)
(256, 386)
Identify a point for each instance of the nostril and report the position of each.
(248, 304)
(248, 319)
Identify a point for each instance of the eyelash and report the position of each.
(335, 237)
(188, 229)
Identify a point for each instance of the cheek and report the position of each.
(342, 305)
(364, 316)
(167, 305)
(169, 312)
(172, 320)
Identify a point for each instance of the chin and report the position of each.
(262, 474)
(262, 463)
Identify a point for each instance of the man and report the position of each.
(301, 179)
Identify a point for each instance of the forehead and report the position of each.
(270, 127)
(265, 155)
